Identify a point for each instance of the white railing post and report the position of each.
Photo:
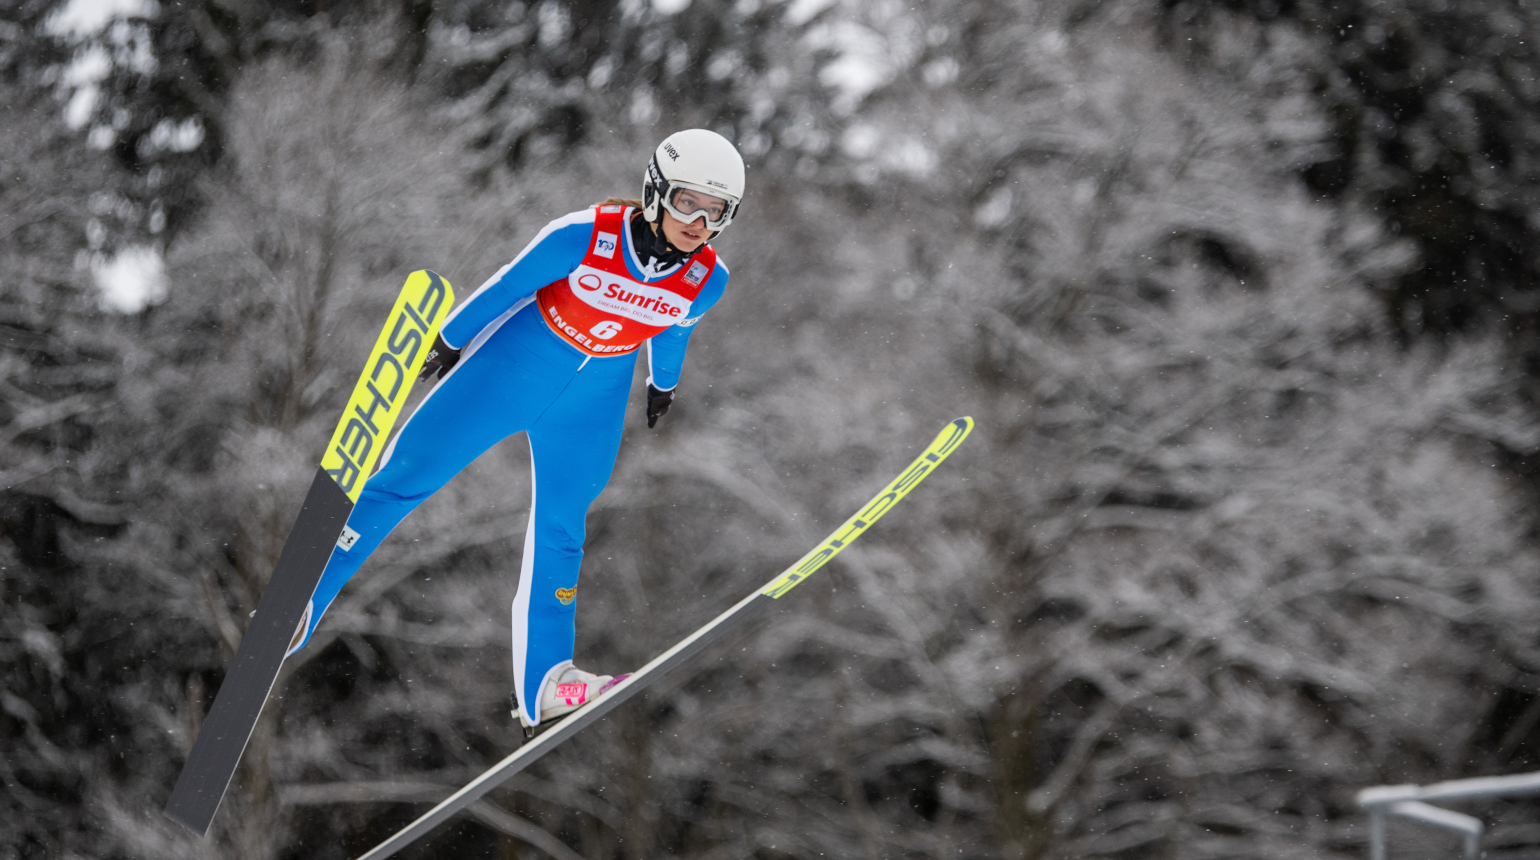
(1376, 833)
(1411, 801)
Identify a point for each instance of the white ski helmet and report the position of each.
(698, 160)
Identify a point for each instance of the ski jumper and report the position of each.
(550, 343)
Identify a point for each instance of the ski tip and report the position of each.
(952, 435)
(424, 277)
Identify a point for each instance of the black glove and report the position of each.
(657, 403)
(440, 358)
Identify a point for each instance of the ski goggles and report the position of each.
(688, 204)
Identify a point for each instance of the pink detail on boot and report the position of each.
(612, 682)
(572, 694)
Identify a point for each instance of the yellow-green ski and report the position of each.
(378, 398)
(744, 609)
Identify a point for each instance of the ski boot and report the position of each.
(565, 690)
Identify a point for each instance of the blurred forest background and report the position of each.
(1242, 294)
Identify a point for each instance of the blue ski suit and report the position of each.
(518, 373)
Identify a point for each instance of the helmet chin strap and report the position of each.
(657, 230)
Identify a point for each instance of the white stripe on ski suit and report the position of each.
(521, 599)
(520, 626)
(584, 217)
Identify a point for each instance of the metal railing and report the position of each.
(1412, 801)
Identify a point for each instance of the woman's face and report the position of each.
(685, 237)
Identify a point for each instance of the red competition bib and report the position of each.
(601, 310)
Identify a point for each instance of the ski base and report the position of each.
(228, 727)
